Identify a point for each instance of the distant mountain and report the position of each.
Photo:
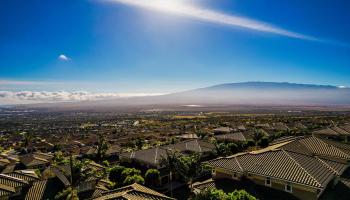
(264, 93)
(245, 93)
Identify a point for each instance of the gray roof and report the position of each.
(154, 155)
(238, 136)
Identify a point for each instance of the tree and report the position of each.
(232, 147)
(68, 194)
(130, 172)
(59, 158)
(220, 148)
(134, 179)
(240, 195)
(210, 194)
(263, 142)
(215, 194)
(190, 167)
(257, 135)
(115, 174)
(170, 164)
(152, 177)
(139, 143)
(79, 173)
(102, 148)
(26, 139)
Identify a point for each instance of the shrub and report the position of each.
(134, 179)
(152, 177)
(115, 173)
(130, 172)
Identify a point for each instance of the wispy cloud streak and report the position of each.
(181, 8)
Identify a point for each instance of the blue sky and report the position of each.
(122, 46)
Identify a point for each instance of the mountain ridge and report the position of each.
(243, 93)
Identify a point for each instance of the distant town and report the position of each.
(174, 155)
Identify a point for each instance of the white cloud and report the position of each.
(28, 97)
(63, 57)
(182, 8)
(342, 86)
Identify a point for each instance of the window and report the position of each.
(268, 181)
(288, 188)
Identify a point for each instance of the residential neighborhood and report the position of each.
(111, 157)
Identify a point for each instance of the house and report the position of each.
(12, 186)
(303, 167)
(300, 126)
(336, 132)
(43, 145)
(235, 137)
(36, 160)
(3, 163)
(132, 192)
(279, 126)
(222, 130)
(151, 158)
(111, 153)
(187, 136)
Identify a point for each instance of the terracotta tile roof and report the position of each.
(95, 166)
(207, 184)
(12, 181)
(4, 162)
(227, 163)
(335, 131)
(27, 175)
(278, 164)
(133, 192)
(336, 167)
(5, 190)
(346, 128)
(326, 131)
(293, 161)
(340, 130)
(61, 176)
(43, 155)
(98, 191)
(9, 168)
(36, 191)
(341, 146)
(320, 147)
(30, 160)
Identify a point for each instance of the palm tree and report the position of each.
(80, 172)
(170, 162)
(102, 147)
(68, 193)
(27, 139)
(257, 135)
